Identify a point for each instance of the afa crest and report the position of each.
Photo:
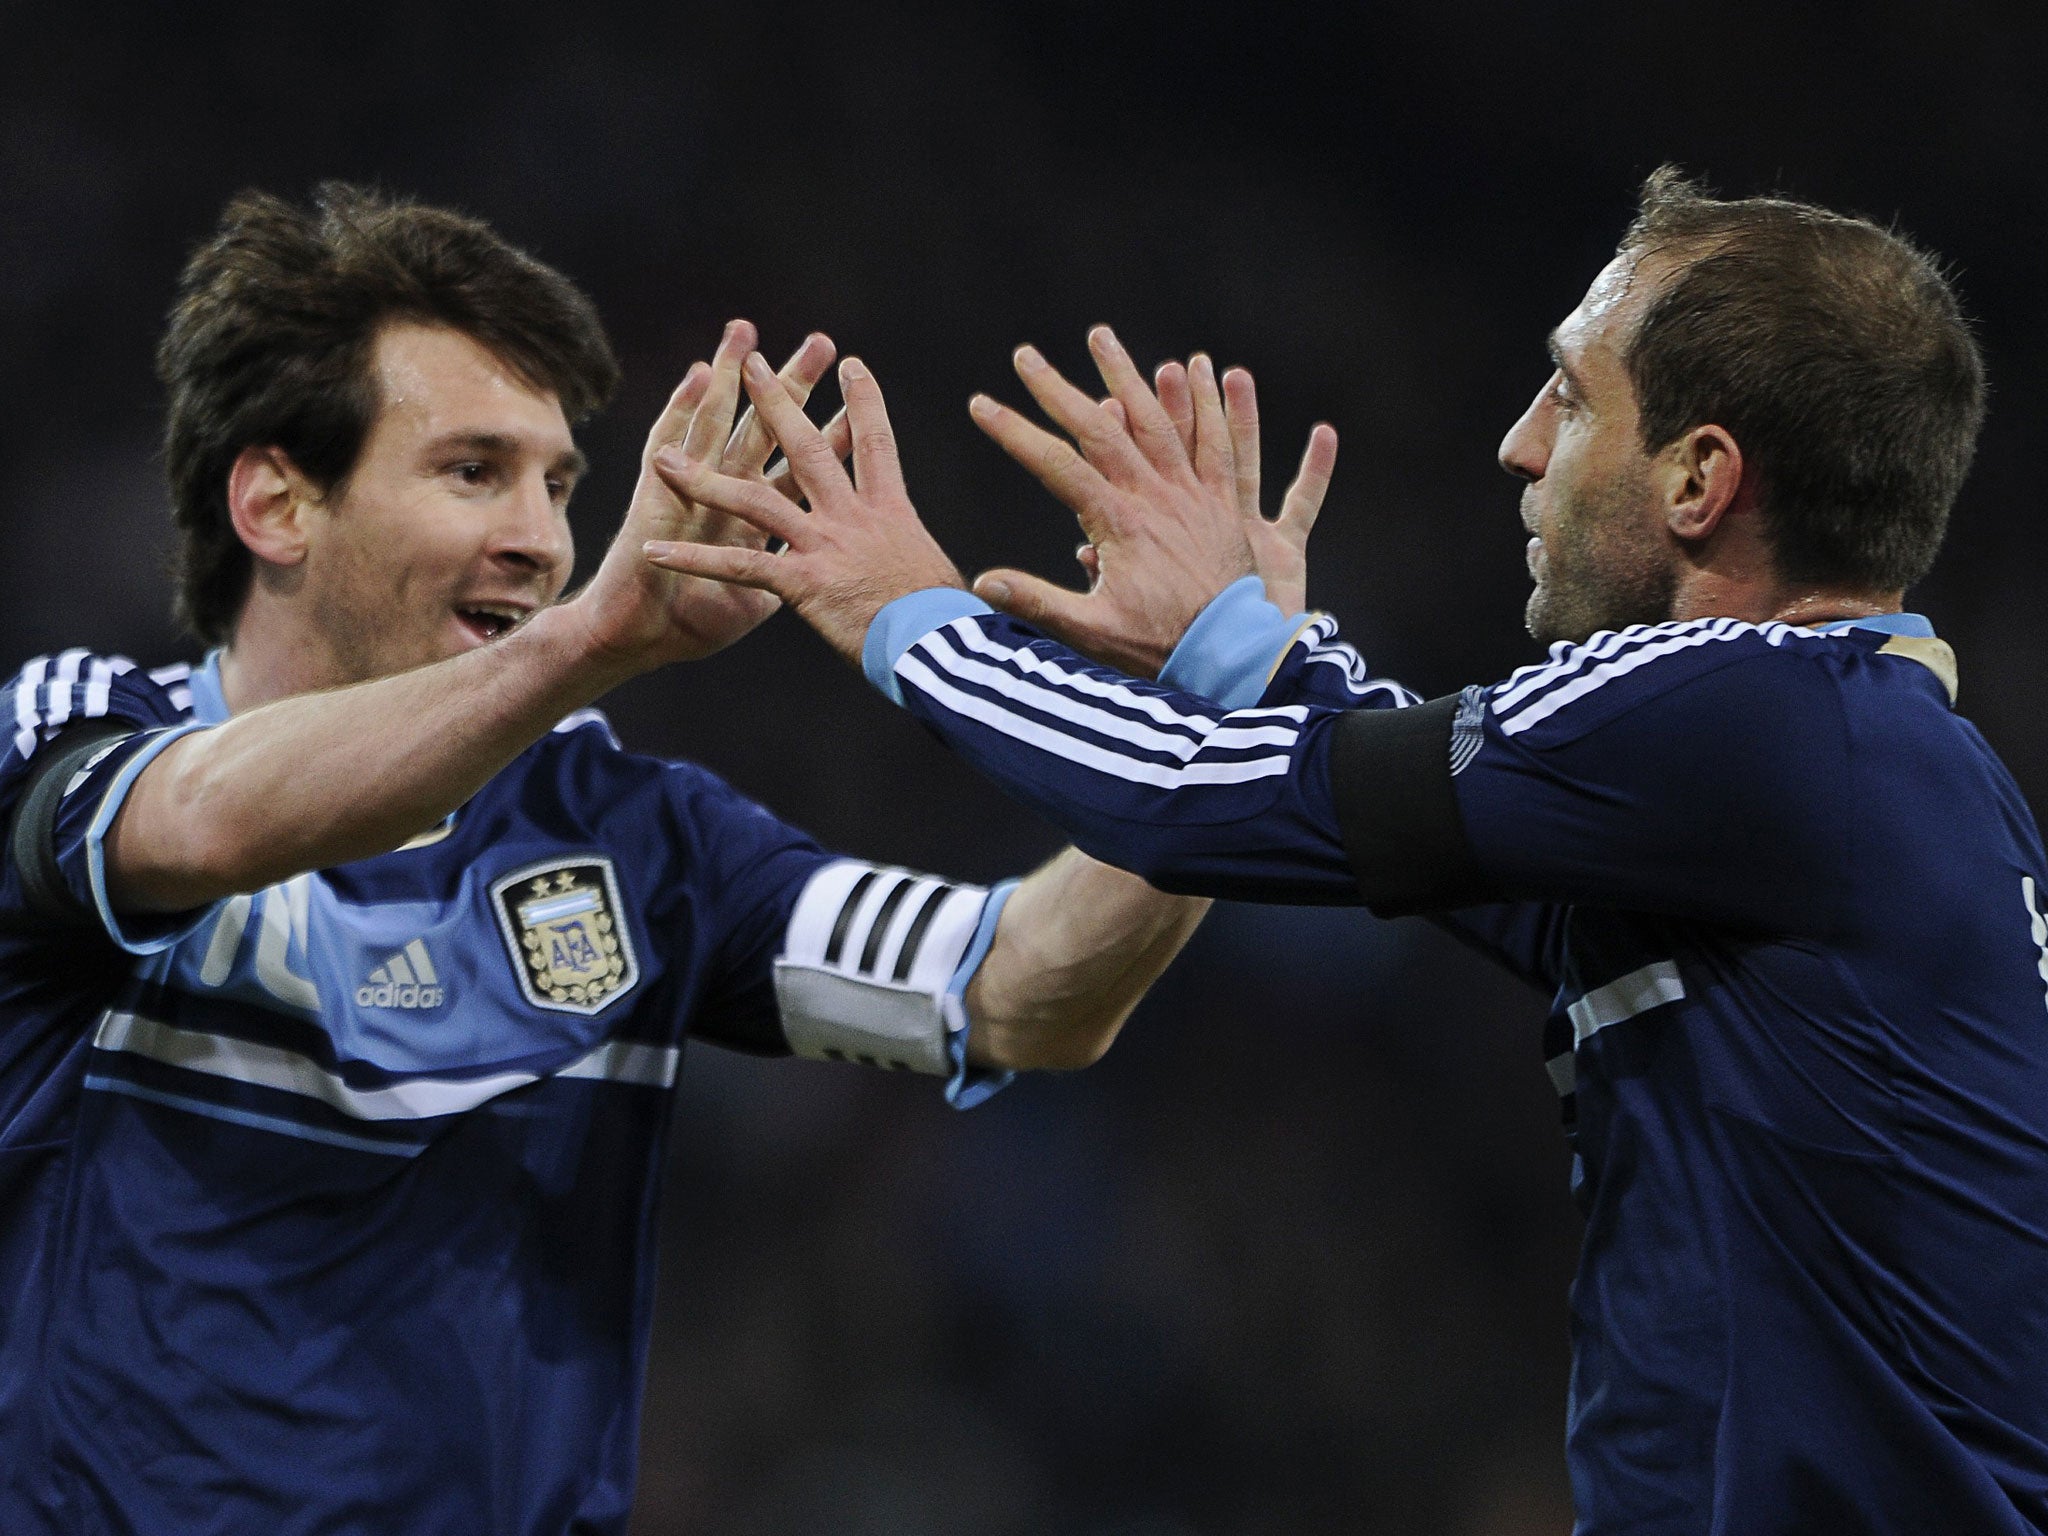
(564, 926)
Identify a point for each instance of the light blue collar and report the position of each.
(209, 704)
(1885, 624)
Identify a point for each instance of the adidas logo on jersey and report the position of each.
(406, 980)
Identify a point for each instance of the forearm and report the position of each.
(324, 778)
(1196, 799)
(1076, 947)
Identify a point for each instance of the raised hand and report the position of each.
(652, 616)
(1279, 544)
(1166, 488)
(858, 548)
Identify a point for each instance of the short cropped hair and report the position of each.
(1837, 355)
(271, 342)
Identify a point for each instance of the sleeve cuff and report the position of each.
(971, 1085)
(1229, 652)
(155, 931)
(906, 621)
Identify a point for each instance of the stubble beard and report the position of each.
(1601, 570)
(366, 624)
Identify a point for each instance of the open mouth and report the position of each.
(487, 621)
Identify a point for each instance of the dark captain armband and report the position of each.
(1390, 779)
(32, 837)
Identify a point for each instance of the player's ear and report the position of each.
(268, 498)
(1700, 477)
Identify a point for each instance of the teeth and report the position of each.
(494, 621)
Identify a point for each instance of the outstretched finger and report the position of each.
(751, 445)
(811, 459)
(876, 467)
(748, 500)
(1060, 613)
(712, 426)
(675, 418)
(1170, 383)
(1106, 443)
(1054, 463)
(1241, 406)
(1151, 428)
(1214, 452)
(1304, 498)
(838, 436)
(722, 562)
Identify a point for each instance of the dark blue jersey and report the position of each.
(331, 1207)
(1789, 907)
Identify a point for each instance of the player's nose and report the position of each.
(1525, 451)
(533, 534)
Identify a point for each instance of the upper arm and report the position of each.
(824, 956)
(1700, 783)
(85, 728)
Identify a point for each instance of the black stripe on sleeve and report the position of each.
(889, 905)
(914, 936)
(1390, 775)
(845, 918)
(32, 841)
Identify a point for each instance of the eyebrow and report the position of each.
(1571, 375)
(570, 465)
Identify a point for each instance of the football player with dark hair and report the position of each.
(346, 975)
(1788, 905)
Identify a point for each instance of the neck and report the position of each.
(1766, 600)
(268, 658)
(1827, 607)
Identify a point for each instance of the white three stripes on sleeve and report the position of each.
(1536, 693)
(47, 695)
(1113, 741)
(52, 693)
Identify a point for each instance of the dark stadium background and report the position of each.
(1293, 1259)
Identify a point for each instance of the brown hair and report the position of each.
(270, 342)
(1836, 354)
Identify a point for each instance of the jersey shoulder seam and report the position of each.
(1623, 668)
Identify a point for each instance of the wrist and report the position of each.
(1228, 653)
(904, 621)
(563, 645)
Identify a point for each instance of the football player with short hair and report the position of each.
(346, 974)
(1787, 903)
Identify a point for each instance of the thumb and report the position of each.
(1038, 602)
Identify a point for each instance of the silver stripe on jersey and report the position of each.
(867, 962)
(413, 1098)
(1620, 1000)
